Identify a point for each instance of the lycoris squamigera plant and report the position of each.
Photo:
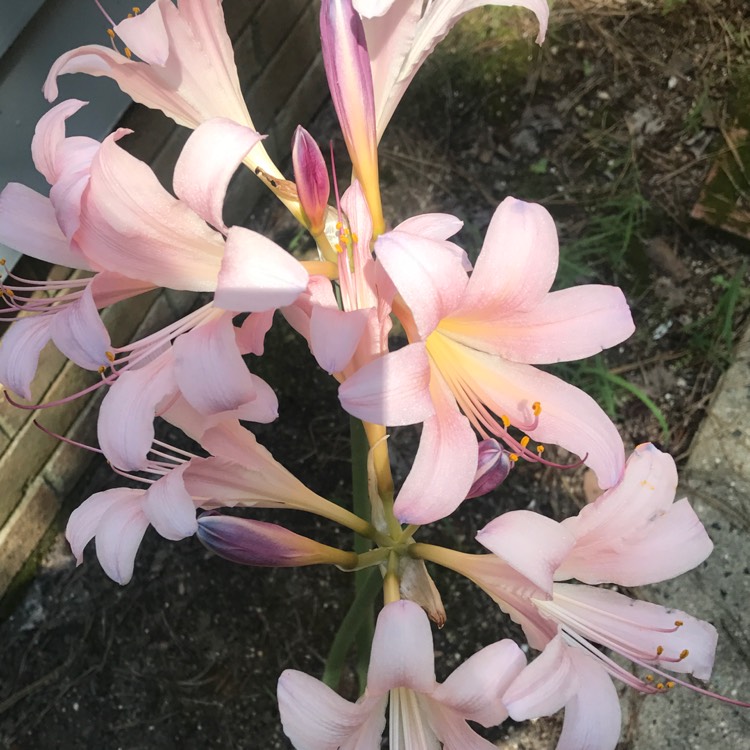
(467, 374)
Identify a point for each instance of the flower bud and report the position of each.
(493, 467)
(311, 176)
(248, 542)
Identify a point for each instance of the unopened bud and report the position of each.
(249, 542)
(311, 176)
(493, 467)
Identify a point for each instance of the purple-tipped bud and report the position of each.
(347, 65)
(248, 542)
(311, 176)
(492, 469)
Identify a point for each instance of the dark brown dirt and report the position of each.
(625, 106)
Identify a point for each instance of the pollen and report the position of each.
(659, 650)
(525, 441)
(354, 237)
(110, 356)
(128, 53)
(505, 420)
(540, 449)
(136, 10)
(339, 226)
(536, 407)
(649, 678)
(111, 33)
(678, 623)
(513, 457)
(684, 654)
(660, 686)
(3, 261)
(101, 369)
(670, 685)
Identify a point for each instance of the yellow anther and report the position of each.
(540, 449)
(136, 10)
(111, 33)
(9, 292)
(670, 685)
(525, 441)
(684, 654)
(128, 53)
(513, 457)
(504, 419)
(110, 356)
(649, 678)
(659, 650)
(660, 686)
(678, 623)
(354, 237)
(536, 407)
(339, 225)
(2, 261)
(339, 247)
(101, 369)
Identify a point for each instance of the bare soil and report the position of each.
(622, 113)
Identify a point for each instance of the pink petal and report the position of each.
(314, 717)
(372, 8)
(169, 507)
(391, 390)
(146, 35)
(78, 332)
(335, 334)
(568, 417)
(452, 730)
(206, 165)
(446, 462)
(109, 287)
(29, 225)
(49, 136)
(132, 225)
(118, 536)
(85, 519)
(251, 335)
(592, 715)
(431, 226)
(517, 264)
(532, 544)
(402, 654)
(567, 325)
(209, 368)
(429, 277)
(546, 685)
(637, 629)
(256, 274)
(21, 346)
(634, 534)
(126, 415)
(475, 689)
(264, 408)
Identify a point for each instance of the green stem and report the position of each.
(359, 613)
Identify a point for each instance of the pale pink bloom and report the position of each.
(240, 472)
(402, 33)
(634, 534)
(186, 67)
(472, 343)
(423, 713)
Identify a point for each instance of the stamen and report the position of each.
(536, 407)
(128, 53)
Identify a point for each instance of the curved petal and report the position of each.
(132, 225)
(431, 226)
(126, 415)
(335, 334)
(592, 715)
(29, 225)
(566, 325)
(118, 536)
(637, 629)
(20, 348)
(49, 135)
(568, 417)
(78, 332)
(532, 544)
(391, 390)
(314, 717)
(85, 519)
(517, 264)
(546, 685)
(634, 534)
(264, 408)
(251, 335)
(445, 464)
(475, 689)
(209, 368)
(146, 35)
(256, 274)
(206, 165)
(109, 287)
(429, 276)
(169, 507)
(402, 654)
(453, 731)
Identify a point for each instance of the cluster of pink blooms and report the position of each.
(467, 375)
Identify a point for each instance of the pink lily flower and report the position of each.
(423, 712)
(239, 472)
(186, 67)
(472, 343)
(402, 33)
(634, 534)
